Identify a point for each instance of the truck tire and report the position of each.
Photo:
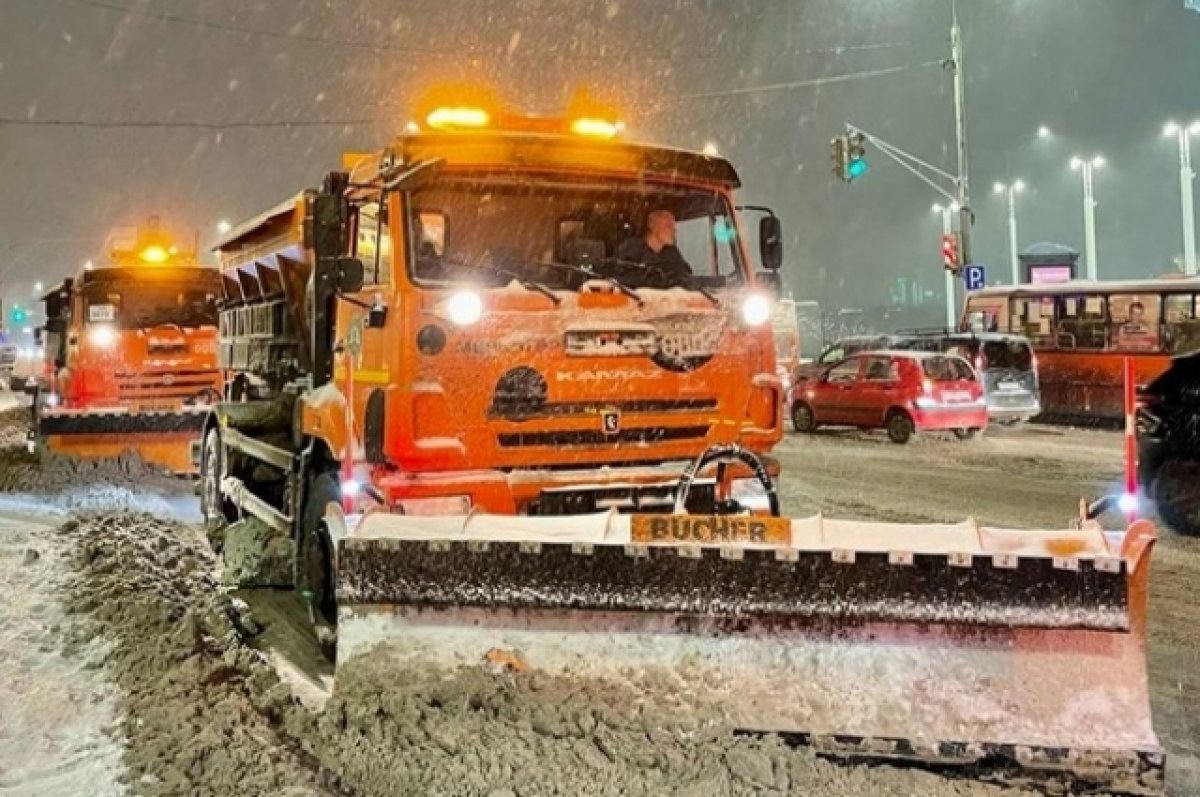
(1176, 491)
(214, 507)
(314, 550)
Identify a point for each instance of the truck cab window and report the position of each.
(373, 244)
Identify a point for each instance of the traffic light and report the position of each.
(17, 314)
(837, 155)
(856, 154)
(848, 156)
(950, 258)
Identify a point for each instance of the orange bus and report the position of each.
(1082, 331)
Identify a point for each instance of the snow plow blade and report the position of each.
(160, 438)
(949, 645)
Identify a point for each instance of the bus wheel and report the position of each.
(803, 419)
(314, 571)
(900, 427)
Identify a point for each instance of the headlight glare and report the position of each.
(465, 308)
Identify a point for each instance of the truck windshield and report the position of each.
(135, 305)
(558, 233)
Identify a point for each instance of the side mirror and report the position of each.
(770, 242)
(349, 275)
(771, 280)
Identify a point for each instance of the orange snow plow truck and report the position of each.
(491, 419)
(130, 346)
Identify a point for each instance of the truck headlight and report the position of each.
(756, 310)
(102, 335)
(465, 308)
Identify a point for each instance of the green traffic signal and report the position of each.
(18, 315)
(856, 168)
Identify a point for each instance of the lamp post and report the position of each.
(1011, 190)
(1186, 175)
(947, 213)
(1087, 167)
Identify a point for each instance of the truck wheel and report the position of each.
(314, 550)
(803, 418)
(1177, 495)
(214, 507)
(900, 428)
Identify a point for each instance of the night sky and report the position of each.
(1104, 75)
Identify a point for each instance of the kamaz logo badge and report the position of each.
(610, 421)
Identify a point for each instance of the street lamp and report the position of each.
(1044, 133)
(1011, 190)
(1086, 166)
(38, 287)
(1186, 175)
(947, 213)
(223, 227)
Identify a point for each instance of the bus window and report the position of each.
(1181, 331)
(1034, 318)
(984, 314)
(1082, 323)
(1134, 321)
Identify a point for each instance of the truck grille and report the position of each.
(575, 437)
(171, 385)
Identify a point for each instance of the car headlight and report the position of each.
(465, 308)
(102, 335)
(756, 310)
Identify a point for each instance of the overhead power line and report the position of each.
(807, 83)
(166, 124)
(386, 47)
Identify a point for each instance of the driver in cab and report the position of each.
(656, 249)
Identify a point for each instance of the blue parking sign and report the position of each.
(974, 277)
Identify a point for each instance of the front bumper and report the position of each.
(644, 488)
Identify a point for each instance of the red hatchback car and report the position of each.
(900, 391)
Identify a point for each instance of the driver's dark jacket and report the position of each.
(669, 264)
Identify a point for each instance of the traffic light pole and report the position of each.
(962, 184)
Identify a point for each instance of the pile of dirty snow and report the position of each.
(47, 473)
(15, 423)
(198, 706)
(202, 707)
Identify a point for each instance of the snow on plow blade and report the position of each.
(160, 437)
(943, 644)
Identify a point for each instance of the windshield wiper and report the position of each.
(700, 289)
(587, 272)
(527, 284)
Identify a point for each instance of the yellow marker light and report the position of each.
(154, 254)
(596, 128)
(447, 118)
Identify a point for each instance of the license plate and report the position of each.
(952, 396)
(1010, 386)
